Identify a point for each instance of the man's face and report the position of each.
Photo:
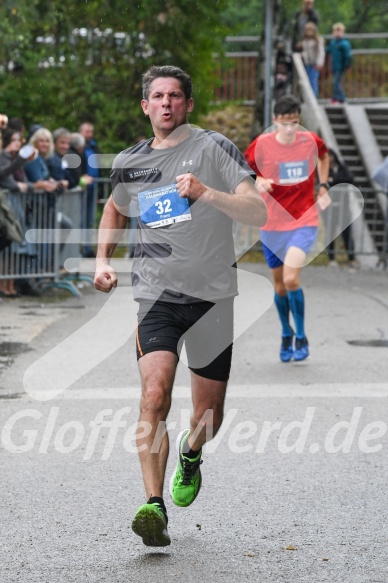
(308, 4)
(286, 126)
(62, 145)
(166, 106)
(87, 130)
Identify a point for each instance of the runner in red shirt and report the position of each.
(285, 159)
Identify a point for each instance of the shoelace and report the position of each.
(189, 468)
(157, 505)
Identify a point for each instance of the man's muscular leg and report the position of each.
(157, 370)
(208, 410)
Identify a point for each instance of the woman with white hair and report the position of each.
(39, 174)
(37, 171)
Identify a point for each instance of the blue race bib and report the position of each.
(293, 172)
(163, 206)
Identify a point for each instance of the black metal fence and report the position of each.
(48, 222)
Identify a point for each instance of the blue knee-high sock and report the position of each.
(283, 308)
(296, 301)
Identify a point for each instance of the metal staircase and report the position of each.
(378, 118)
(349, 151)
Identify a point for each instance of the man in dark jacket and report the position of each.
(87, 131)
(302, 17)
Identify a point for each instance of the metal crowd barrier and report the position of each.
(368, 243)
(362, 241)
(46, 219)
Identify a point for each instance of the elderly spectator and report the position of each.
(77, 162)
(50, 177)
(37, 171)
(56, 165)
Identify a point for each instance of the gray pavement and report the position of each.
(294, 486)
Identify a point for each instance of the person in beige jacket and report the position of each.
(313, 53)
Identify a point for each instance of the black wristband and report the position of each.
(325, 184)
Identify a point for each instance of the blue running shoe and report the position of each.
(301, 351)
(286, 350)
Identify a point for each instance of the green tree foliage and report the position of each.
(244, 18)
(247, 18)
(357, 15)
(67, 62)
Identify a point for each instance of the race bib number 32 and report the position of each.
(163, 206)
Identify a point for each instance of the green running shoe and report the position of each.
(150, 523)
(185, 482)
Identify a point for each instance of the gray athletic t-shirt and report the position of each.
(185, 250)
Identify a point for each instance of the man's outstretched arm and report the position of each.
(112, 224)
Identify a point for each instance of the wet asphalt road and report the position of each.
(294, 486)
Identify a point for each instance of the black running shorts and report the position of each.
(205, 327)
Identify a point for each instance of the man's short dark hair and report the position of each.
(167, 71)
(286, 105)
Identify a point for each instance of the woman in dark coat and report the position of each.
(14, 181)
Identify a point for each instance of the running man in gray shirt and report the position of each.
(188, 185)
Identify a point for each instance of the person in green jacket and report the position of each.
(341, 58)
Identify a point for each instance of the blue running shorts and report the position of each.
(276, 243)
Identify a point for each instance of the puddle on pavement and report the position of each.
(6, 397)
(379, 343)
(30, 313)
(9, 350)
(13, 348)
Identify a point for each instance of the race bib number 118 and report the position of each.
(293, 172)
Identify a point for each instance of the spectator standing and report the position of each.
(339, 173)
(313, 53)
(79, 175)
(14, 181)
(32, 129)
(37, 171)
(306, 14)
(58, 171)
(79, 172)
(91, 148)
(341, 59)
(16, 123)
(55, 163)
